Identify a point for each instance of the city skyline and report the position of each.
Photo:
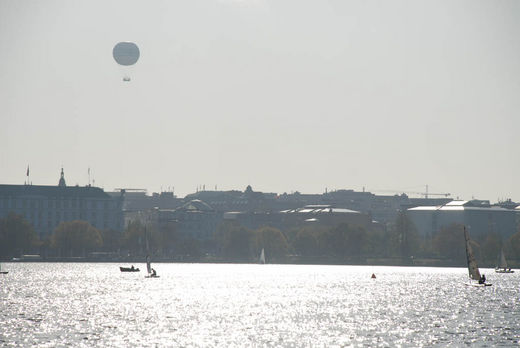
(423, 191)
(284, 97)
(275, 156)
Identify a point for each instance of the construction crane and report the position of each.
(425, 193)
(130, 190)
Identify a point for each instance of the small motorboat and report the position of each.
(129, 269)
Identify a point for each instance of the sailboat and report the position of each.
(502, 264)
(474, 273)
(2, 272)
(262, 257)
(149, 269)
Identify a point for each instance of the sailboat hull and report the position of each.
(128, 269)
(504, 271)
(477, 285)
(4, 272)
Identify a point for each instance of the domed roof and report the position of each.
(196, 205)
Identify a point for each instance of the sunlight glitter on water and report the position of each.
(225, 305)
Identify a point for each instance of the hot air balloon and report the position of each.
(126, 54)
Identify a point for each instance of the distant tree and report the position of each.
(136, 236)
(17, 235)
(76, 237)
(427, 249)
(346, 241)
(111, 239)
(490, 248)
(449, 242)
(133, 237)
(306, 241)
(46, 246)
(169, 239)
(272, 240)
(405, 240)
(234, 241)
(191, 247)
(375, 243)
(514, 245)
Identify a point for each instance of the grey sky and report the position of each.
(284, 95)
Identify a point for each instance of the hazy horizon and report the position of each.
(281, 95)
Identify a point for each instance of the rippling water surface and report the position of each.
(206, 305)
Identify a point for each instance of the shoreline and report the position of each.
(286, 261)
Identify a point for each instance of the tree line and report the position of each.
(234, 242)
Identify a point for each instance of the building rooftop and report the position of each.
(52, 191)
(319, 209)
(461, 205)
(196, 205)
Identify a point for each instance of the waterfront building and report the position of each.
(45, 207)
(135, 200)
(382, 209)
(323, 215)
(310, 215)
(480, 217)
(194, 219)
(234, 200)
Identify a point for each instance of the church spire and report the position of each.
(62, 179)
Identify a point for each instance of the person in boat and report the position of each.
(154, 274)
(482, 279)
(132, 268)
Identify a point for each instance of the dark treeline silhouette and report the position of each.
(399, 243)
(17, 236)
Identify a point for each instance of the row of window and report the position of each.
(9, 202)
(50, 223)
(64, 216)
(48, 228)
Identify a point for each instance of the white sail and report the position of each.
(146, 240)
(2, 272)
(148, 264)
(502, 260)
(262, 256)
(148, 260)
(472, 263)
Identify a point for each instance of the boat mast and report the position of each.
(472, 263)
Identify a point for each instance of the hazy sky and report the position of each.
(283, 95)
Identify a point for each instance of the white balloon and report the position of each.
(126, 53)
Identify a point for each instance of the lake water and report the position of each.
(225, 305)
